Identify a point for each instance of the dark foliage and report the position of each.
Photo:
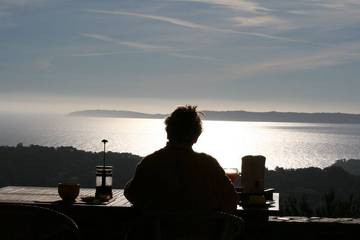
(330, 192)
(47, 166)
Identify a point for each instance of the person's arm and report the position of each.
(227, 197)
(137, 188)
(230, 198)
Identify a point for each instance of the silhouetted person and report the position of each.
(176, 178)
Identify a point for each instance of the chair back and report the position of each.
(30, 222)
(188, 225)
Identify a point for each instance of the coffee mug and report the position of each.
(68, 191)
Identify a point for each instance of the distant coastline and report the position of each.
(273, 116)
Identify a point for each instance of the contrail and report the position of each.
(142, 46)
(92, 54)
(192, 25)
(146, 47)
(180, 55)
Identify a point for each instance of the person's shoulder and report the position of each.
(152, 157)
(204, 157)
(155, 154)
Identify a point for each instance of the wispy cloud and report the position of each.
(174, 21)
(250, 14)
(295, 63)
(191, 25)
(299, 12)
(262, 21)
(136, 45)
(145, 47)
(327, 57)
(335, 4)
(326, 17)
(247, 6)
(94, 54)
(181, 55)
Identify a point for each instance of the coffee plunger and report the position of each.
(104, 179)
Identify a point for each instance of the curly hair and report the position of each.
(184, 125)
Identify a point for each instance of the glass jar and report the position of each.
(103, 182)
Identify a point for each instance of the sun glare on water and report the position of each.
(290, 145)
(229, 141)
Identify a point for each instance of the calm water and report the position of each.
(290, 145)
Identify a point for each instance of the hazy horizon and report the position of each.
(151, 56)
(146, 109)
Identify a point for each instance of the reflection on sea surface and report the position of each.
(290, 145)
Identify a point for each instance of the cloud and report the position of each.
(174, 21)
(327, 57)
(335, 4)
(145, 47)
(262, 21)
(299, 12)
(136, 45)
(192, 25)
(180, 55)
(94, 54)
(254, 7)
(247, 6)
(332, 18)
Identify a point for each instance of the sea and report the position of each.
(287, 145)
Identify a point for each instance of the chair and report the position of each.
(188, 225)
(30, 222)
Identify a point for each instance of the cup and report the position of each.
(68, 191)
(252, 174)
(232, 174)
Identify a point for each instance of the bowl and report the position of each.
(68, 191)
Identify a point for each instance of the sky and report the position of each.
(151, 55)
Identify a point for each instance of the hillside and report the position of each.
(47, 166)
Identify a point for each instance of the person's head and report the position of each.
(183, 125)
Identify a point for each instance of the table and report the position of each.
(94, 220)
(106, 215)
(49, 196)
